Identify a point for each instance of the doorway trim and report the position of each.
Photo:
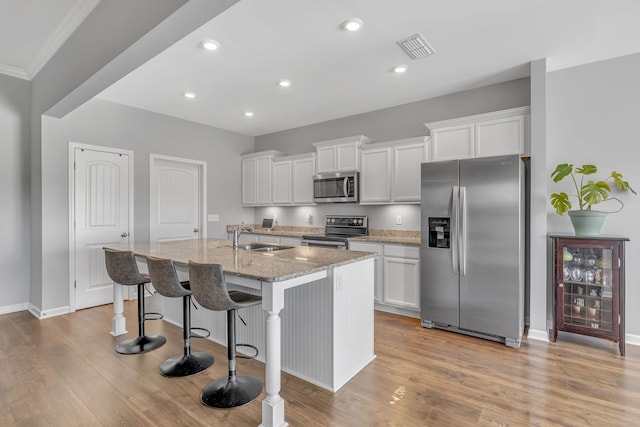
(202, 170)
(72, 187)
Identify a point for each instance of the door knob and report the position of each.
(125, 234)
(196, 230)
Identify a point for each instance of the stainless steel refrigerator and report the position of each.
(472, 249)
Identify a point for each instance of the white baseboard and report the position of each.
(632, 339)
(39, 314)
(14, 308)
(538, 335)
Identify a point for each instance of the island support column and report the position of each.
(118, 322)
(273, 404)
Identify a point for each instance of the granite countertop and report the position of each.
(266, 266)
(401, 237)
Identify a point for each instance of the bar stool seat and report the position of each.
(165, 280)
(209, 288)
(123, 269)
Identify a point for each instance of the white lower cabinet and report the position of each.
(402, 277)
(397, 276)
(377, 248)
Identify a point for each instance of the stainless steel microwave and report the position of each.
(339, 187)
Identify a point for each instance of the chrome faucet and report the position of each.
(237, 232)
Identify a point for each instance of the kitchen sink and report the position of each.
(263, 247)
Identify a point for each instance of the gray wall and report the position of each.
(14, 190)
(592, 117)
(403, 121)
(107, 124)
(116, 37)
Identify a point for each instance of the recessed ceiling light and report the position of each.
(352, 24)
(248, 113)
(284, 83)
(189, 95)
(210, 44)
(400, 69)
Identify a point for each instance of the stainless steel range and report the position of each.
(337, 229)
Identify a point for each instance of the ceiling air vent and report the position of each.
(416, 46)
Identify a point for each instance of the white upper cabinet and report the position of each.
(293, 179)
(482, 135)
(339, 155)
(282, 182)
(256, 177)
(390, 171)
(304, 167)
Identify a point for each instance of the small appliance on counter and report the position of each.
(339, 187)
(267, 223)
(338, 229)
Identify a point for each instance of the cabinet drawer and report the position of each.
(401, 251)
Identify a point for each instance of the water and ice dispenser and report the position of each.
(439, 232)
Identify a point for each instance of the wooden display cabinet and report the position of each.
(588, 279)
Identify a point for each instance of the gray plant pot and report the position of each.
(587, 223)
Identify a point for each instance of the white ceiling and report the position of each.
(336, 73)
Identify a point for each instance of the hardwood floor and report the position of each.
(64, 371)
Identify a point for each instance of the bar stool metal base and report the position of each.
(183, 366)
(231, 392)
(141, 344)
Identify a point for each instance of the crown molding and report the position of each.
(13, 71)
(69, 24)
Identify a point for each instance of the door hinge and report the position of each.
(75, 284)
(74, 165)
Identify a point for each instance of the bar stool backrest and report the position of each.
(165, 279)
(209, 286)
(122, 268)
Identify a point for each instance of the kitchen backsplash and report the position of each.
(380, 217)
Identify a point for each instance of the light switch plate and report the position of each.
(213, 217)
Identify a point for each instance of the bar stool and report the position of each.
(209, 288)
(123, 269)
(165, 280)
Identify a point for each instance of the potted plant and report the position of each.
(586, 221)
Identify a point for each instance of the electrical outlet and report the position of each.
(398, 219)
(213, 217)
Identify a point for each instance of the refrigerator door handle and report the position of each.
(455, 206)
(462, 236)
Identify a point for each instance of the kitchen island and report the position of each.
(325, 317)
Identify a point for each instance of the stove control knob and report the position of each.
(360, 221)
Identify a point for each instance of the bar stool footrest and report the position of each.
(206, 333)
(153, 316)
(251, 356)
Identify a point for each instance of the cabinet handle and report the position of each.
(561, 285)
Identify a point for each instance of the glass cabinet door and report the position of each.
(588, 291)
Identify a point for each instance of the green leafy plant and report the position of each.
(588, 194)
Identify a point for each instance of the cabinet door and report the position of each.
(282, 183)
(348, 158)
(326, 160)
(263, 238)
(263, 177)
(249, 181)
(291, 241)
(454, 142)
(406, 172)
(378, 275)
(303, 171)
(375, 176)
(402, 282)
(500, 136)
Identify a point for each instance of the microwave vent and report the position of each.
(416, 46)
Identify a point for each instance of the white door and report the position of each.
(177, 202)
(101, 215)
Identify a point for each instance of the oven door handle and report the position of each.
(322, 243)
